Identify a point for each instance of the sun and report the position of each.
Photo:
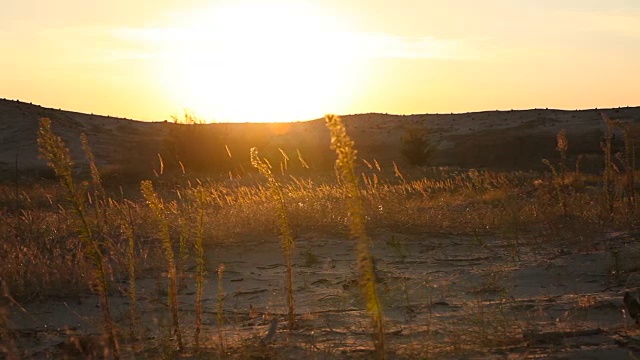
(260, 61)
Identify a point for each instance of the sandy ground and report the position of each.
(458, 296)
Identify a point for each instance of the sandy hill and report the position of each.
(491, 139)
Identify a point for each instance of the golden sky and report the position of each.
(285, 60)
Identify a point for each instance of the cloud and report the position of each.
(608, 22)
(616, 23)
(152, 34)
(383, 45)
(93, 45)
(351, 44)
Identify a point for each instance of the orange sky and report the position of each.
(285, 60)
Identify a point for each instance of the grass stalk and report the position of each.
(608, 174)
(182, 210)
(127, 230)
(286, 234)
(562, 147)
(158, 209)
(342, 144)
(629, 168)
(200, 263)
(99, 195)
(53, 149)
(219, 318)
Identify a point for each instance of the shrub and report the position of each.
(417, 147)
(195, 145)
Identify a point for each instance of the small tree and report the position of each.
(417, 146)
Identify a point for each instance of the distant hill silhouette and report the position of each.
(503, 140)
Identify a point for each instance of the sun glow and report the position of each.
(259, 61)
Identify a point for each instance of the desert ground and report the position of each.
(486, 252)
(447, 296)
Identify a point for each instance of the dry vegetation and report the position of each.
(444, 244)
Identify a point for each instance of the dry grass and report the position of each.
(45, 256)
(39, 231)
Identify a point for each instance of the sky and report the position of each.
(288, 60)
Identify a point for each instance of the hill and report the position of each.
(503, 140)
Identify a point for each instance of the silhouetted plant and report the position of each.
(194, 145)
(417, 147)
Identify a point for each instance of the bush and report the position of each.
(417, 147)
(195, 145)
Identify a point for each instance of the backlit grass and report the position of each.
(56, 236)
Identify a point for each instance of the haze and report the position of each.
(297, 60)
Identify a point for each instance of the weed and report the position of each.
(200, 263)
(609, 172)
(219, 318)
(127, 230)
(158, 209)
(53, 149)
(99, 195)
(345, 165)
(559, 176)
(285, 229)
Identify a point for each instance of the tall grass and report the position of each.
(559, 176)
(53, 149)
(182, 209)
(629, 166)
(286, 234)
(628, 161)
(99, 195)
(345, 165)
(159, 212)
(128, 232)
(617, 188)
(435, 200)
(200, 263)
(609, 173)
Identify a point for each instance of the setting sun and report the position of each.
(288, 60)
(259, 62)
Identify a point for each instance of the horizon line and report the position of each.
(341, 115)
